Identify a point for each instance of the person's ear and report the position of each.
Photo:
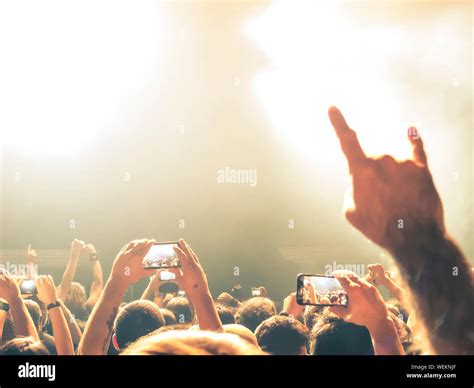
(115, 343)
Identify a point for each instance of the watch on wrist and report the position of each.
(4, 306)
(53, 305)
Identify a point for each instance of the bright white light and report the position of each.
(67, 67)
(381, 74)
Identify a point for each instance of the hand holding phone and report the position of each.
(320, 290)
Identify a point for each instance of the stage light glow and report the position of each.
(385, 76)
(67, 68)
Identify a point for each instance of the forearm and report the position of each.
(97, 284)
(206, 312)
(76, 333)
(32, 272)
(68, 276)
(3, 318)
(385, 339)
(149, 293)
(439, 279)
(62, 335)
(24, 325)
(394, 289)
(98, 331)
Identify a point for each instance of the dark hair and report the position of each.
(333, 336)
(282, 335)
(226, 299)
(23, 346)
(169, 317)
(226, 314)
(312, 314)
(181, 309)
(136, 319)
(35, 312)
(254, 311)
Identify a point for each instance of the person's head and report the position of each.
(283, 335)
(242, 332)
(311, 315)
(76, 300)
(226, 314)
(254, 311)
(192, 342)
(136, 320)
(35, 312)
(181, 309)
(332, 335)
(226, 299)
(169, 317)
(23, 346)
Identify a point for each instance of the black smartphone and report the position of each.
(320, 290)
(161, 255)
(28, 287)
(167, 276)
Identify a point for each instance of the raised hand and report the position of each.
(128, 268)
(9, 289)
(47, 292)
(291, 306)
(31, 254)
(390, 199)
(77, 246)
(190, 277)
(367, 308)
(89, 249)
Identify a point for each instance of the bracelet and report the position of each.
(53, 305)
(93, 257)
(4, 306)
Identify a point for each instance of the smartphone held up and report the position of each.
(161, 255)
(320, 290)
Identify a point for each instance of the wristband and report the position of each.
(284, 314)
(4, 306)
(53, 305)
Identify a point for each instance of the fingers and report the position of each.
(183, 258)
(348, 138)
(418, 150)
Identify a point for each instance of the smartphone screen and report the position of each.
(161, 255)
(166, 276)
(28, 287)
(320, 290)
(256, 292)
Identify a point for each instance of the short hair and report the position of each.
(192, 342)
(311, 315)
(23, 346)
(282, 335)
(169, 317)
(254, 311)
(181, 309)
(333, 336)
(136, 319)
(76, 301)
(35, 312)
(226, 314)
(226, 299)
